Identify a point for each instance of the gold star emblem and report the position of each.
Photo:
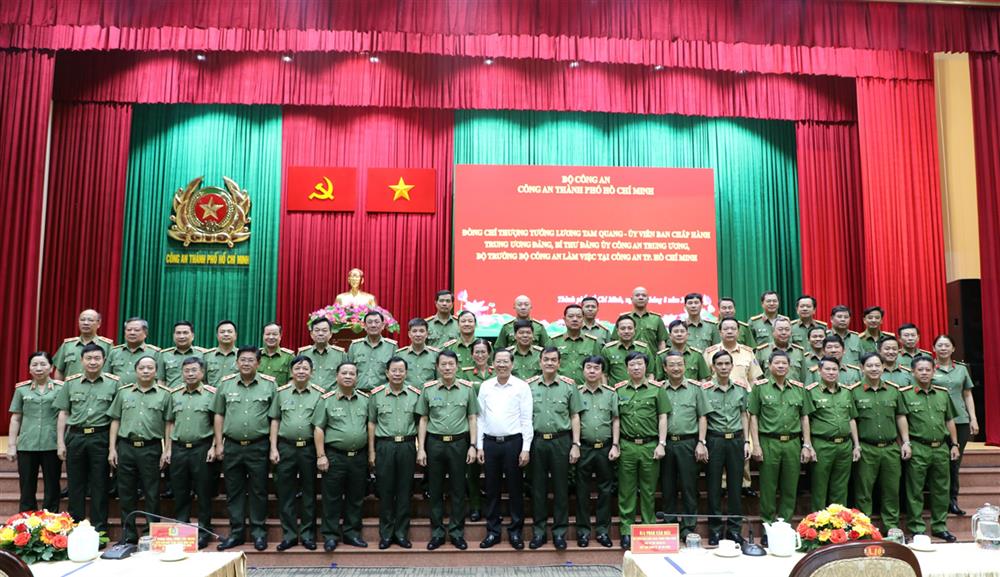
(400, 190)
(210, 209)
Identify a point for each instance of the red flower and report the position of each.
(60, 542)
(876, 536)
(811, 534)
(838, 536)
(846, 515)
(22, 539)
(811, 517)
(22, 528)
(853, 535)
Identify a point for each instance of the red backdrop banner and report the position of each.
(401, 190)
(321, 189)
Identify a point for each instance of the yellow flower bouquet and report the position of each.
(836, 524)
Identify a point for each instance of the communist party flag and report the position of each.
(321, 188)
(402, 190)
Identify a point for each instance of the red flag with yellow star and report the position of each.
(320, 188)
(402, 190)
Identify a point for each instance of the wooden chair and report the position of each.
(859, 559)
(12, 566)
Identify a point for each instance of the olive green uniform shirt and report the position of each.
(800, 331)
(245, 407)
(420, 367)
(810, 359)
(191, 413)
(121, 361)
(371, 360)
(649, 329)
(897, 375)
(476, 377)
(277, 364)
(440, 332)
(506, 337)
(833, 411)
(869, 343)
(325, 364)
(219, 365)
(928, 412)
(906, 358)
(462, 351)
(795, 359)
(87, 402)
(852, 347)
(640, 407)
(448, 408)
(725, 407)
(553, 403)
(67, 360)
(344, 420)
(702, 334)
(39, 415)
(877, 410)
(393, 413)
(141, 413)
(599, 331)
(956, 379)
(294, 410)
(688, 405)
(694, 364)
(614, 354)
(763, 327)
(168, 370)
(849, 374)
(526, 365)
(598, 409)
(779, 410)
(572, 352)
(745, 365)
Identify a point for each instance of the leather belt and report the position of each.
(246, 443)
(193, 444)
(782, 437)
(640, 440)
(551, 436)
(353, 453)
(448, 438)
(721, 435)
(140, 443)
(298, 443)
(398, 438)
(597, 445)
(878, 444)
(928, 442)
(831, 439)
(88, 430)
(503, 438)
(681, 437)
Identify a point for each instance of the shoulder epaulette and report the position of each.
(202, 350)
(110, 376)
(405, 349)
(940, 388)
(813, 368)
(230, 377)
(796, 383)
(164, 387)
(697, 350)
(757, 317)
(796, 322)
(211, 350)
(449, 343)
(641, 344)
(119, 347)
(710, 321)
(763, 346)
(57, 382)
(536, 348)
(760, 382)
(414, 389)
(71, 339)
(533, 379)
(893, 335)
(510, 348)
(566, 379)
(430, 383)
(855, 333)
(795, 346)
(706, 384)
(742, 383)
(317, 388)
(510, 322)
(300, 349)
(608, 344)
(358, 340)
(906, 369)
(904, 389)
(362, 393)
(891, 383)
(589, 336)
(713, 348)
(430, 318)
(378, 389)
(851, 387)
(620, 385)
(812, 386)
(329, 394)
(740, 347)
(693, 382)
(855, 367)
(743, 324)
(266, 377)
(963, 363)
(168, 350)
(283, 387)
(606, 386)
(175, 389)
(336, 348)
(284, 350)
(432, 349)
(466, 368)
(125, 386)
(22, 383)
(655, 383)
(208, 388)
(393, 341)
(105, 339)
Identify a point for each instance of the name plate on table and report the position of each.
(164, 534)
(656, 539)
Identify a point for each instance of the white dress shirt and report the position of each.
(504, 410)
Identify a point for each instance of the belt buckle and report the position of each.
(188, 445)
(639, 441)
(500, 439)
(548, 436)
(88, 430)
(399, 438)
(138, 444)
(935, 444)
(447, 438)
(729, 436)
(675, 437)
(784, 437)
(300, 443)
(244, 443)
(351, 453)
(598, 445)
(838, 440)
(881, 444)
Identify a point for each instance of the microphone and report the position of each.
(123, 550)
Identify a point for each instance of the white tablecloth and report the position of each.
(148, 565)
(957, 560)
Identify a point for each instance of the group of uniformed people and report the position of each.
(641, 408)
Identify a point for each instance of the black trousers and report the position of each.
(963, 439)
(28, 463)
(500, 463)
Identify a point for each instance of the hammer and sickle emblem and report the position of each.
(324, 192)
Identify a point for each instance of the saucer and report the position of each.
(172, 558)
(727, 554)
(773, 554)
(923, 548)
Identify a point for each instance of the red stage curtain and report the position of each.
(406, 257)
(25, 97)
(830, 215)
(985, 69)
(901, 191)
(892, 26)
(407, 81)
(81, 266)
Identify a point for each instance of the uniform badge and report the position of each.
(210, 215)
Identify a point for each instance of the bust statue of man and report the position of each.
(355, 296)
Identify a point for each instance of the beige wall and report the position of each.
(958, 165)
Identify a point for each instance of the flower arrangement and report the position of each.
(352, 317)
(834, 525)
(37, 535)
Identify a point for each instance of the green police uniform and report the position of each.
(678, 469)
(830, 428)
(779, 410)
(168, 370)
(703, 333)
(462, 350)
(475, 376)
(598, 410)
(371, 360)
(849, 374)
(795, 359)
(649, 329)
(852, 346)
(526, 365)
(928, 413)
(245, 428)
(639, 408)
(554, 404)
(897, 375)
(726, 411)
(277, 365)
(36, 442)
(219, 364)
(800, 331)
(392, 414)
(67, 360)
(439, 332)
(142, 417)
(447, 410)
(294, 409)
(86, 403)
(880, 459)
(614, 354)
(344, 420)
(598, 331)
(572, 352)
(122, 359)
(506, 337)
(744, 336)
(906, 357)
(420, 367)
(762, 327)
(474, 471)
(745, 365)
(325, 363)
(191, 414)
(695, 367)
(957, 380)
(870, 342)
(810, 359)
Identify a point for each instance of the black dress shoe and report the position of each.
(605, 540)
(203, 541)
(537, 541)
(490, 540)
(167, 493)
(260, 543)
(286, 544)
(516, 541)
(230, 542)
(434, 543)
(713, 539)
(734, 536)
(329, 545)
(954, 510)
(384, 543)
(475, 515)
(583, 541)
(404, 542)
(763, 541)
(355, 542)
(748, 492)
(64, 493)
(309, 544)
(559, 543)
(946, 536)
(626, 542)
(459, 543)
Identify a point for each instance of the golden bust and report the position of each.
(355, 296)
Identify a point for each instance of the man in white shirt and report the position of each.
(504, 444)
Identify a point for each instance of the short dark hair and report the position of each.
(624, 318)
(887, 338)
(595, 360)
(219, 324)
(319, 321)
(184, 324)
(671, 353)
(720, 354)
(864, 358)
(345, 364)
(477, 342)
(586, 299)
(551, 349)
(764, 294)
(921, 359)
(298, 359)
(840, 309)
(730, 299)
(729, 320)
(508, 352)
(446, 354)
(194, 361)
(674, 323)
(833, 339)
(396, 359)
(906, 326)
(373, 314)
(90, 348)
(636, 355)
(248, 349)
(571, 307)
(820, 329)
(873, 309)
(693, 296)
(523, 324)
(443, 293)
(42, 354)
(467, 312)
(150, 357)
(416, 322)
(829, 359)
(810, 298)
(272, 324)
(778, 353)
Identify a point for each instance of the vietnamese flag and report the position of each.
(321, 188)
(402, 190)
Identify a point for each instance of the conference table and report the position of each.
(956, 560)
(229, 564)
